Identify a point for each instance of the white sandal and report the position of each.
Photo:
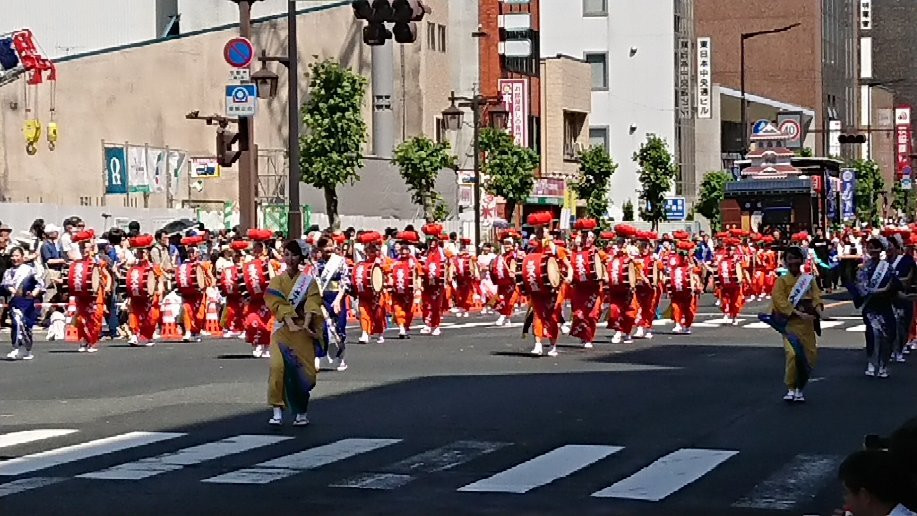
(275, 421)
(301, 420)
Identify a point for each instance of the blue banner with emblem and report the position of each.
(848, 194)
(116, 171)
(831, 200)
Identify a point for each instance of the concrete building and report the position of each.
(140, 95)
(813, 65)
(628, 44)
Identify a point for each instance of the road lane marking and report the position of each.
(796, 482)
(667, 475)
(857, 328)
(404, 471)
(28, 436)
(293, 464)
(542, 470)
(837, 304)
(145, 468)
(58, 456)
(27, 484)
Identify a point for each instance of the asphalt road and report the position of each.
(466, 423)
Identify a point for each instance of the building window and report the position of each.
(598, 137)
(595, 7)
(440, 130)
(573, 128)
(599, 64)
(442, 37)
(431, 36)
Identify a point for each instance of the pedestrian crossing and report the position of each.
(388, 464)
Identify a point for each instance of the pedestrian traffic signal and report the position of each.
(851, 138)
(226, 155)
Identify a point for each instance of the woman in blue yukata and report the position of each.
(876, 288)
(23, 284)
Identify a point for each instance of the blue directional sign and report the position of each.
(239, 52)
(675, 208)
(241, 100)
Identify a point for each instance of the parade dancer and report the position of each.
(22, 286)
(90, 303)
(797, 307)
(543, 305)
(372, 311)
(903, 267)
(295, 302)
(404, 279)
(646, 292)
(875, 289)
(620, 293)
(503, 275)
(435, 277)
(465, 278)
(188, 278)
(586, 286)
(257, 320)
(230, 282)
(683, 285)
(731, 279)
(143, 306)
(334, 281)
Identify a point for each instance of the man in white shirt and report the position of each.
(72, 226)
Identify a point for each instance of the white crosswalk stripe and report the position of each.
(145, 468)
(667, 475)
(289, 465)
(28, 436)
(58, 456)
(542, 470)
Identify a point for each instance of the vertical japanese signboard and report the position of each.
(903, 141)
(515, 93)
(704, 78)
(684, 78)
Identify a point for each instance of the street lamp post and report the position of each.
(267, 89)
(747, 36)
(452, 119)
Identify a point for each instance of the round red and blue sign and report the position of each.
(239, 52)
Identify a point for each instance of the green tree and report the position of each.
(596, 168)
(419, 162)
(869, 187)
(805, 152)
(510, 168)
(712, 190)
(331, 148)
(627, 211)
(657, 173)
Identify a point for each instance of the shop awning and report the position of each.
(768, 187)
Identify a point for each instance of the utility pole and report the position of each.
(248, 160)
(294, 214)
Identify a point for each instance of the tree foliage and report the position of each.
(712, 190)
(627, 211)
(869, 187)
(805, 152)
(331, 148)
(510, 168)
(596, 168)
(904, 201)
(657, 173)
(419, 162)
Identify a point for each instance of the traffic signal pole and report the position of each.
(383, 77)
(248, 159)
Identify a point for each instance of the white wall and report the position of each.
(641, 87)
(74, 27)
(463, 21)
(205, 14)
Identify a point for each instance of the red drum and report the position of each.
(368, 278)
(540, 273)
(190, 276)
(587, 267)
(436, 272)
(256, 277)
(403, 277)
(466, 268)
(141, 282)
(229, 281)
(620, 273)
(84, 278)
(501, 271)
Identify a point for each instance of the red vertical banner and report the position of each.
(903, 141)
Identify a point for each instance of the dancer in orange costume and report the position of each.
(466, 278)
(503, 274)
(143, 306)
(435, 278)
(257, 274)
(731, 278)
(544, 308)
(585, 286)
(191, 279)
(769, 266)
(620, 294)
(646, 291)
(404, 283)
(372, 311)
(90, 306)
(230, 282)
(683, 286)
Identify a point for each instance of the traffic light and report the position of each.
(402, 13)
(226, 155)
(851, 138)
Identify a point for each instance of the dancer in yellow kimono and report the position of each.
(295, 299)
(796, 315)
